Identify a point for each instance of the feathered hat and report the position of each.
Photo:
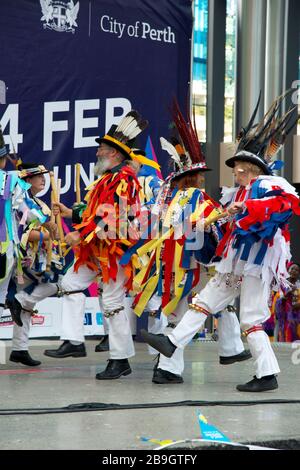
(27, 170)
(3, 148)
(122, 137)
(185, 149)
(259, 143)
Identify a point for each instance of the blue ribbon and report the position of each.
(41, 240)
(188, 283)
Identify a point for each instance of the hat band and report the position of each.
(244, 153)
(140, 158)
(195, 166)
(29, 172)
(117, 142)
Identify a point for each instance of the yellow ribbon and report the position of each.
(146, 295)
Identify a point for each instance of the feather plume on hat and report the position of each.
(259, 143)
(184, 146)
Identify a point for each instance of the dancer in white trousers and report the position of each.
(254, 251)
(37, 274)
(101, 238)
(178, 248)
(150, 184)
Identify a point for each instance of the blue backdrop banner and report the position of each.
(71, 69)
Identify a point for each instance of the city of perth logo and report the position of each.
(59, 16)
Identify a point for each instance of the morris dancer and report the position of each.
(101, 239)
(41, 274)
(150, 184)
(177, 249)
(254, 250)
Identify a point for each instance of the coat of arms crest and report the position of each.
(59, 16)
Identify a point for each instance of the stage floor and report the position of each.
(58, 383)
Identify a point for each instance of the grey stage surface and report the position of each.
(62, 382)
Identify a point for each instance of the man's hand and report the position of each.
(235, 208)
(52, 229)
(64, 211)
(35, 235)
(73, 238)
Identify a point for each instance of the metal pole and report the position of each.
(215, 91)
(290, 72)
(250, 70)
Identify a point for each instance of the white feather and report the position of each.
(134, 133)
(126, 121)
(188, 159)
(168, 147)
(131, 128)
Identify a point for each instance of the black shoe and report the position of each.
(15, 309)
(67, 349)
(156, 359)
(24, 358)
(103, 345)
(159, 342)
(161, 376)
(243, 356)
(114, 369)
(259, 385)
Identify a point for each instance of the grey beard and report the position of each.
(101, 166)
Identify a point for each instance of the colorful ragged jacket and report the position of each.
(171, 256)
(256, 241)
(105, 229)
(36, 258)
(13, 215)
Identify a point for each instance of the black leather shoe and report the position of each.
(24, 358)
(67, 349)
(15, 309)
(156, 359)
(114, 369)
(161, 376)
(243, 356)
(103, 345)
(161, 343)
(259, 385)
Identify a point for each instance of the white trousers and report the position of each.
(229, 334)
(28, 301)
(229, 342)
(254, 310)
(113, 297)
(10, 262)
(155, 325)
(174, 364)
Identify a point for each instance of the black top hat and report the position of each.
(122, 137)
(110, 140)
